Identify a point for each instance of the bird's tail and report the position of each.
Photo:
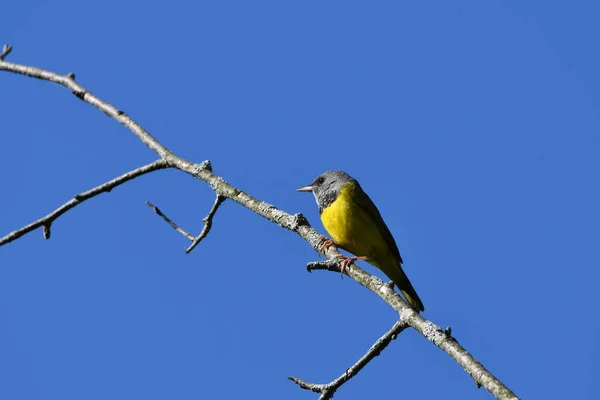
(413, 299)
(406, 288)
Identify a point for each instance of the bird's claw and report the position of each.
(350, 260)
(326, 244)
(347, 261)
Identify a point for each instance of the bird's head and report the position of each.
(327, 186)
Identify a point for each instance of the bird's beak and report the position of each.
(305, 189)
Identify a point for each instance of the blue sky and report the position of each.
(474, 126)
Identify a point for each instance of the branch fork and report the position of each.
(207, 222)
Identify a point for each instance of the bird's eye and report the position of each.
(320, 180)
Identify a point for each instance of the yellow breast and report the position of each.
(352, 227)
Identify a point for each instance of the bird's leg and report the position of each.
(347, 260)
(350, 260)
(327, 244)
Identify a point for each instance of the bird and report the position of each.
(355, 225)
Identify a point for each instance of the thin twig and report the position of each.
(207, 222)
(327, 390)
(296, 223)
(47, 221)
(168, 220)
(6, 49)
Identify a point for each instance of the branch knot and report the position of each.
(298, 220)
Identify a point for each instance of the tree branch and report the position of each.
(327, 390)
(69, 82)
(168, 220)
(296, 223)
(6, 49)
(431, 331)
(207, 222)
(47, 221)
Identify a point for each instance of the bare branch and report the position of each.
(296, 223)
(68, 81)
(327, 390)
(6, 49)
(431, 331)
(207, 222)
(168, 220)
(47, 221)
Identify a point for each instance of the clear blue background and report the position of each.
(474, 126)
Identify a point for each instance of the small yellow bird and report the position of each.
(355, 225)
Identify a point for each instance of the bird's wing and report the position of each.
(365, 202)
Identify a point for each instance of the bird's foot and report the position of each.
(327, 244)
(350, 260)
